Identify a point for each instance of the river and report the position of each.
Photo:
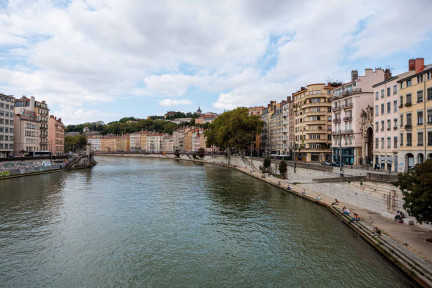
(169, 223)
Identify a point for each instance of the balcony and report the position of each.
(408, 127)
(338, 108)
(316, 113)
(314, 122)
(348, 118)
(395, 128)
(346, 132)
(347, 106)
(337, 120)
(317, 140)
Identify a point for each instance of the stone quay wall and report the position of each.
(20, 167)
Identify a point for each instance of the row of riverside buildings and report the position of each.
(26, 126)
(376, 119)
(187, 139)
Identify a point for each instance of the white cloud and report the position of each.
(174, 102)
(246, 52)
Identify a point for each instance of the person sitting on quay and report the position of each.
(345, 210)
(303, 192)
(399, 216)
(356, 218)
(318, 198)
(376, 232)
(289, 188)
(336, 202)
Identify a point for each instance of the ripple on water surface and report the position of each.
(164, 223)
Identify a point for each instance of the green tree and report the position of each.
(282, 168)
(234, 129)
(201, 152)
(75, 143)
(266, 164)
(177, 153)
(416, 186)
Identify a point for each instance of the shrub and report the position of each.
(177, 153)
(201, 152)
(282, 168)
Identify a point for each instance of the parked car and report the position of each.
(325, 163)
(335, 164)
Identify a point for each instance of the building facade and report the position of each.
(312, 130)
(55, 135)
(26, 133)
(135, 141)
(167, 144)
(348, 102)
(6, 125)
(95, 143)
(415, 115)
(42, 112)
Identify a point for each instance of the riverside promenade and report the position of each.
(404, 245)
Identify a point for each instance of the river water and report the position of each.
(169, 223)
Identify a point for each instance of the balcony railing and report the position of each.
(334, 109)
(348, 118)
(347, 105)
(337, 120)
(408, 127)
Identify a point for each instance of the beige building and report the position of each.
(276, 130)
(108, 143)
(135, 141)
(55, 135)
(312, 122)
(179, 138)
(6, 125)
(26, 133)
(123, 143)
(167, 144)
(415, 115)
(154, 142)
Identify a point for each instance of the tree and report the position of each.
(234, 129)
(282, 168)
(177, 153)
(201, 152)
(75, 143)
(266, 163)
(416, 186)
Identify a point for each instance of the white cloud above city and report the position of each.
(103, 60)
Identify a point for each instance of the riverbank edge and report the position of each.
(408, 265)
(41, 172)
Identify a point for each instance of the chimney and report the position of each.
(302, 88)
(387, 74)
(416, 65)
(32, 102)
(354, 75)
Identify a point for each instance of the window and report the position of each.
(419, 138)
(376, 95)
(429, 116)
(376, 143)
(409, 139)
(420, 78)
(388, 124)
(401, 101)
(395, 123)
(395, 142)
(376, 126)
(420, 118)
(382, 93)
(409, 122)
(429, 140)
(382, 142)
(420, 96)
(401, 139)
(429, 94)
(408, 98)
(394, 89)
(388, 107)
(401, 120)
(376, 110)
(395, 105)
(388, 91)
(382, 108)
(409, 83)
(382, 125)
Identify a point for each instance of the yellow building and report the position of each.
(123, 143)
(108, 143)
(415, 115)
(144, 141)
(312, 122)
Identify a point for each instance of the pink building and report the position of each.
(55, 135)
(348, 102)
(386, 129)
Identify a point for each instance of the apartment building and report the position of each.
(135, 141)
(286, 148)
(276, 130)
(143, 140)
(41, 115)
(348, 102)
(123, 143)
(6, 125)
(179, 137)
(383, 147)
(95, 142)
(167, 144)
(207, 117)
(153, 143)
(312, 113)
(108, 143)
(26, 133)
(55, 134)
(415, 115)
(268, 145)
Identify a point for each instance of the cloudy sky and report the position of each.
(103, 60)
